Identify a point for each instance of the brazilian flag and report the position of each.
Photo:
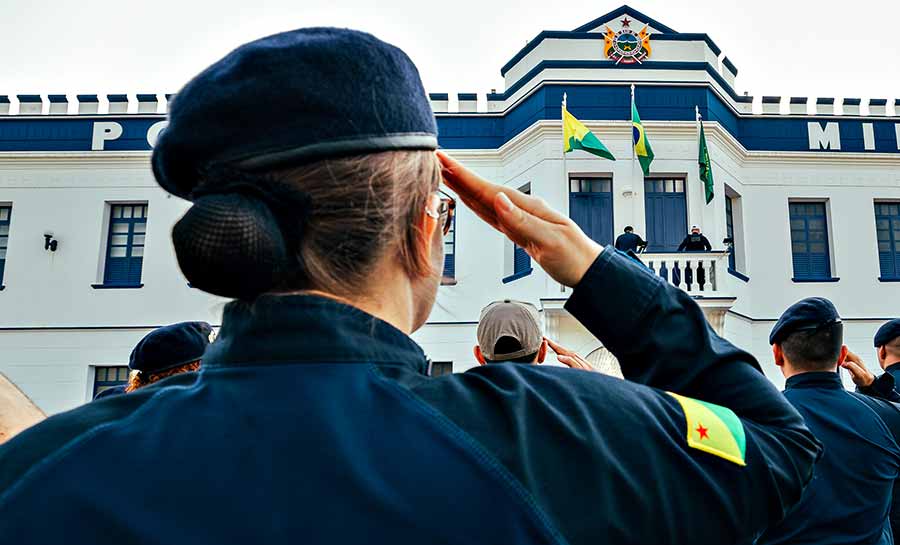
(713, 429)
(577, 136)
(641, 145)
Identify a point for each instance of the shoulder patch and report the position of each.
(713, 429)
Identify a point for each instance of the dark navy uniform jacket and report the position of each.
(629, 241)
(314, 422)
(695, 243)
(849, 499)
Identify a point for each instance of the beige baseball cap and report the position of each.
(508, 318)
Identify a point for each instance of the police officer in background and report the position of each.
(166, 351)
(629, 240)
(850, 497)
(313, 418)
(887, 346)
(695, 242)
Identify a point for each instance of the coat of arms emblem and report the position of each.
(627, 46)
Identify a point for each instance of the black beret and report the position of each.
(294, 98)
(807, 314)
(887, 332)
(170, 346)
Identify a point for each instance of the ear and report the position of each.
(843, 355)
(778, 354)
(479, 356)
(428, 225)
(542, 352)
(882, 355)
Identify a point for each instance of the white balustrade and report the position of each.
(701, 274)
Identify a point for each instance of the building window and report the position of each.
(809, 241)
(449, 275)
(125, 244)
(887, 229)
(521, 259)
(729, 229)
(440, 368)
(666, 213)
(109, 377)
(5, 216)
(590, 206)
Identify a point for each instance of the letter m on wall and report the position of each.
(827, 137)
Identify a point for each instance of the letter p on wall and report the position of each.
(104, 131)
(828, 137)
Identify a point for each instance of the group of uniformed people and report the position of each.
(310, 159)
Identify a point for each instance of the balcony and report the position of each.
(702, 275)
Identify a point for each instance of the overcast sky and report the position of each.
(783, 47)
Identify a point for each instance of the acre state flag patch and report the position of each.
(713, 429)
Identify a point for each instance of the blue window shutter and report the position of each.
(521, 260)
(887, 229)
(809, 241)
(666, 213)
(450, 251)
(125, 244)
(5, 218)
(590, 206)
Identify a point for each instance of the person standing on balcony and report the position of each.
(850, 497)
(629, 240)
(695, 242)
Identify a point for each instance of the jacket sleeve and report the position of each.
(706, 244)
(662, 339)
(683, 245)
(881, 388)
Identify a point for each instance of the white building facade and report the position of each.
(808, 190)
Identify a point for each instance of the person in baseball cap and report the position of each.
(167, 351)
(510, 331)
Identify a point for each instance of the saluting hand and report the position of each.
(569, 358)
(553, 240)
(861, 376)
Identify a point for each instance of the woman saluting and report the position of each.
(309, 158)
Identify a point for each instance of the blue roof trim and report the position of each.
(87, 98)
(57, 99)
(4, 99)
(824, 101)
(771, 100)
(117, 98)
(726, 62)
(575, 35)
(877, 102)
(897, 102)
(618, 12)
(29, 98)
(147, 98)
(852, 101)
(169, 96)
(467, 96)
(646, 65)
(799, 100)
(438, 96)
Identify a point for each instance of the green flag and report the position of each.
(641, 144)
(706, 174)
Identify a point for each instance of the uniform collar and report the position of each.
(893, 368)
(308, 329)
(828, 380)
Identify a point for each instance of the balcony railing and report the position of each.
(700, 274)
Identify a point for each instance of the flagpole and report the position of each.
(635, 192)
(562, 115)
(565, 170)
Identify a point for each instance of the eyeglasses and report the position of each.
(444, 212)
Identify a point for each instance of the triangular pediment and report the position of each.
(616, 17)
